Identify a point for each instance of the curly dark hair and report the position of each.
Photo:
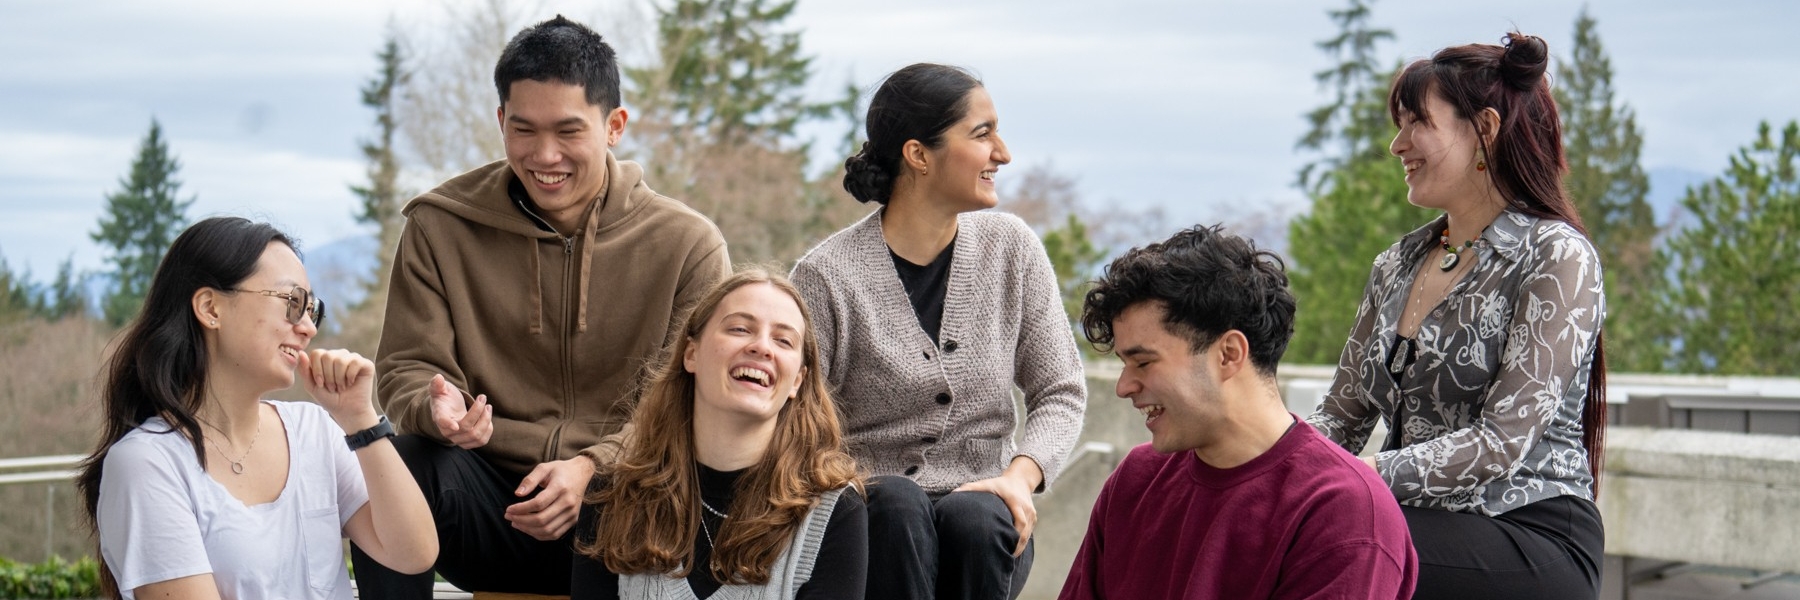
(1208, 282)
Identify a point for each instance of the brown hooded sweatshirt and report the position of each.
(555, 328)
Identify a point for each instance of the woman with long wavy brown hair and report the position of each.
(737, 483)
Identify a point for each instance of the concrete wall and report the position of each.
(1711, 498)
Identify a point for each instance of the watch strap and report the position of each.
(382, 429)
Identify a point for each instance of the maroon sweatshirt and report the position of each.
(1304, 520)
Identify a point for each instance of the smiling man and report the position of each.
(526, 297)
(1233, 497)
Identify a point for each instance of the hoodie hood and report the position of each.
(481, 195)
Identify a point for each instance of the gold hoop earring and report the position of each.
(1480, 160)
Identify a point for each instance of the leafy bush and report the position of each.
(53, 578)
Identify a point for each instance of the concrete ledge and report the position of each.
(1711, 498)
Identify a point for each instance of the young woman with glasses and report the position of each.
(200, 488)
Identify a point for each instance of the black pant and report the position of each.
(957, 545)
(1549, 549)
(477, 548)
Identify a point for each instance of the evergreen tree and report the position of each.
(140, 222)
(720, 109)
(1730, 308)
(727, 72)
(1608, 187)
(1358, 193)
(381, 196)
(66, 298)
(18, 298)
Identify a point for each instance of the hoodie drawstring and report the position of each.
(537, 287)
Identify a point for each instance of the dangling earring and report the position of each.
(1480, 160)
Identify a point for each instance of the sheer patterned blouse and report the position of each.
(1485, 400)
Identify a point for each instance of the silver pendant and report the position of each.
(1448, 262)
(237, 468)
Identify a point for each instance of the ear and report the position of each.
(615, 125)
(1487, 125)
(1234, 354)
(799, 380)
(207, 307)
(500, 116)
(916, 156)
(687, 356)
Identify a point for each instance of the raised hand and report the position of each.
(466, 425)
(343, 382)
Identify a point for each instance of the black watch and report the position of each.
(382, 429)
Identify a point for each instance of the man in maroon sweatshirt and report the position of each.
(1233, 497)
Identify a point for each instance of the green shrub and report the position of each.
(54, 578)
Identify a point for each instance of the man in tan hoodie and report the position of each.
(527, 296)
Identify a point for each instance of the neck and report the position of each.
(1467, 223)
(726, 444)
(1250, 426)
(235, 415)
(914, 229)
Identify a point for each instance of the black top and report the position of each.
(839, 572)
(926, 286)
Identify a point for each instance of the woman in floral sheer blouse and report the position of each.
(1478, 337)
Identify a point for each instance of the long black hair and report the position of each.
(158, 368)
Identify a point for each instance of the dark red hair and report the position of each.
(1525, 160)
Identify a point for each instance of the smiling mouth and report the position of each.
(549, 179)
(1151, 411)
(290, 351)
(752, 375)
(987, 175)
(1411, 166)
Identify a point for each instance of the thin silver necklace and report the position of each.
(237, 466)
(703, 528)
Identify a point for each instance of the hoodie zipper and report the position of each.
(568, 385)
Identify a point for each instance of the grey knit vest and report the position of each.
(791, 570)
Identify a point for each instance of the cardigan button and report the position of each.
(943, 398)
(949, 346)
(928, 439)
(911, 470)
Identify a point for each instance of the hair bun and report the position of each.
(1525, 60)
(867, 180)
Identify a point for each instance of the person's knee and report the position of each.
(898, 498)
(976, 519)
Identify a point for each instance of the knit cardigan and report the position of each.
(943, 414)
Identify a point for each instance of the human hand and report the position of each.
(554, 510)
(468, 427)
(342, 382)
(1015, 491)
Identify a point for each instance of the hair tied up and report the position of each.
(1526, 59)
(866, 179)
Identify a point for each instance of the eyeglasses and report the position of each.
(300, 303)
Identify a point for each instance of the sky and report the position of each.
(1192, 106)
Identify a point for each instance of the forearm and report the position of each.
(405, 534)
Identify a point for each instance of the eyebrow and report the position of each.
(562, 123)
(1135, 351)
(753, 319)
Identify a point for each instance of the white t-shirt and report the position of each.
(161, 517)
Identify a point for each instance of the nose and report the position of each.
(1127, 386)
(1400, 144)
(759, 346)
(1001, 154)
(307, 329)
(546, 151)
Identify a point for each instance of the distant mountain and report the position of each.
(339, 268)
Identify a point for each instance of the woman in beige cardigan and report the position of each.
(928, 313)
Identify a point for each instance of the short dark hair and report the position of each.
(919, 102)
(563, 51)
(1208, 282)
